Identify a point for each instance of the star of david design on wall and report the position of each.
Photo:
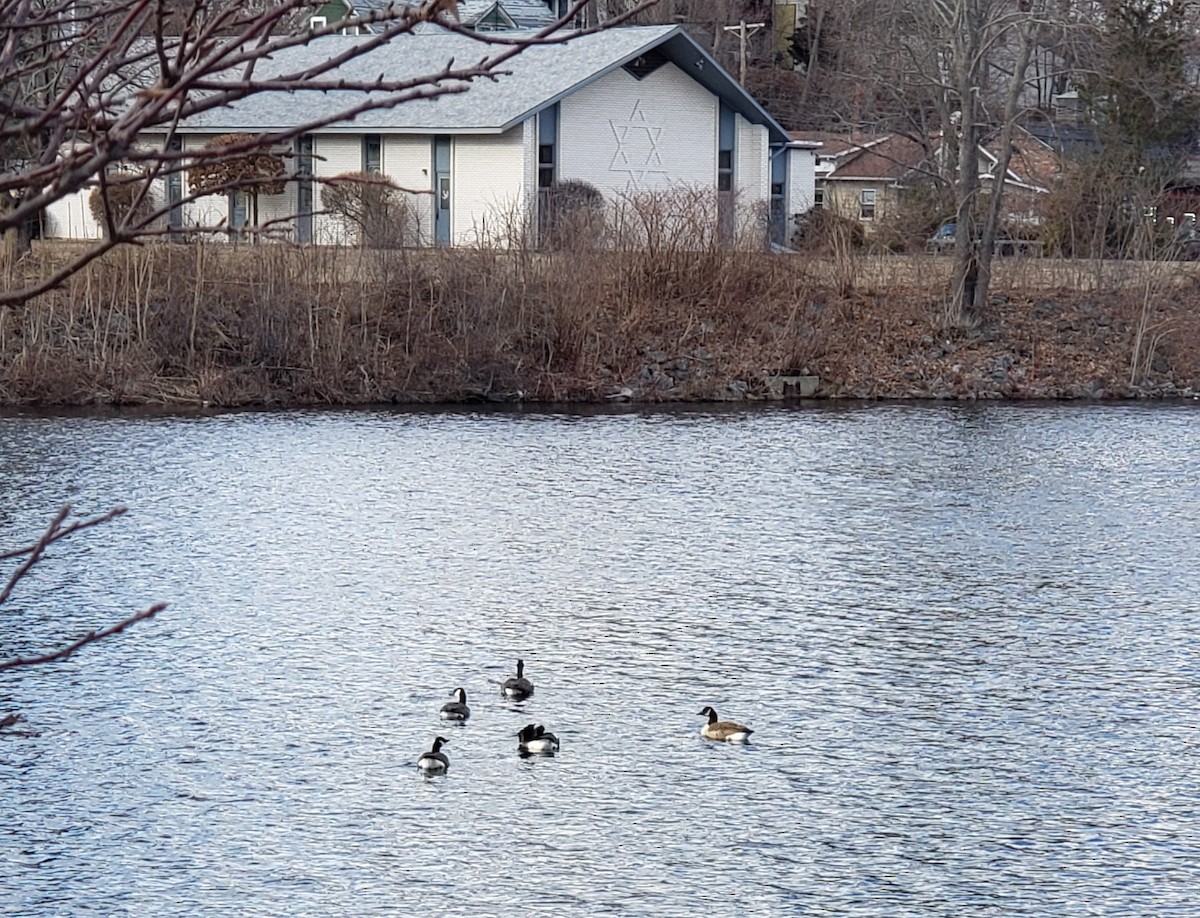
(636, 154)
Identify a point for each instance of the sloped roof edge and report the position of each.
(685, 53)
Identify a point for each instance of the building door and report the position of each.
(239, 214)
(441, 190)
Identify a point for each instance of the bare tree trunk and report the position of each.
(965, 41)
(991, 223)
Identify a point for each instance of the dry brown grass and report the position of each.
(234, 325)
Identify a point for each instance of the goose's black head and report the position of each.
(460, 695)
(710, 714)
(439, 743)
(528, 732)
(520, 668)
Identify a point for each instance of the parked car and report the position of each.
(942, 242)
(1187, 240)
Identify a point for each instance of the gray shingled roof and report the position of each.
(540, 75)
(527, 14)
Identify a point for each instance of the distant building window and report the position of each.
(866, 204)
(372, 153)
(318, 22)
(819, 197)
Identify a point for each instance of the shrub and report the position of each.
(573, 215)
(256, 172)
(122, 197)
(372, 208)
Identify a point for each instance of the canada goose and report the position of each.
(456, 710)
(534, 740)
(723, 731)
(434, 762)
(518, 688)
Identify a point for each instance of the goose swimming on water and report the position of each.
(434, 762)
(518, 688)
(723, 731)
(456, 710)
(534, 740)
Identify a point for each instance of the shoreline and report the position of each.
(182, 328)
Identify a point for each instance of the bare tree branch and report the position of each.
(90, 638)
(55, 532)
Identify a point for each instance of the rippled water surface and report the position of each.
(966, 639)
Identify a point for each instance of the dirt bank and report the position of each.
(222, 326)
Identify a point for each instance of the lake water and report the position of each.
(966, 638)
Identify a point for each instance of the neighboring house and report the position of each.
(861, 176)
(865, 177)
(481, 15)
(1033, 169)
(629, 110)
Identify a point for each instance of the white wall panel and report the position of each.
(801, 180)
(212, 209)
(70, 218)
(408, 161)
(752, 170)
(333, 154)
(625, 135)
(488, 202)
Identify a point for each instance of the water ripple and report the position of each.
(966, 639)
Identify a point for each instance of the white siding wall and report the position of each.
(333, 154)
(408, 161)
(752, 168)
(801, 181)
(530, 141)
(487, 189)
(625, 135)
(210, 210)
(69, 218)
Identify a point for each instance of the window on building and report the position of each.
(318, 22)
(372, 153)
(866, 204)
(725, 170)
(304, 188)
(819, 197)
(175, 185)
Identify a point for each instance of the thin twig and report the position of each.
(90, 638)
(65, 530)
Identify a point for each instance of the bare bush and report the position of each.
(373, 210)
(121, 198)
(573, 214)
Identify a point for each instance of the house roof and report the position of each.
(537, 77)
(835, 145)
(524, 14)
(866, 157)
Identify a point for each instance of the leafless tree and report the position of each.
(81, 82)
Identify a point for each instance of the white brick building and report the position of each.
(629, 110)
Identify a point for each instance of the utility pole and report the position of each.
(745, 30)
